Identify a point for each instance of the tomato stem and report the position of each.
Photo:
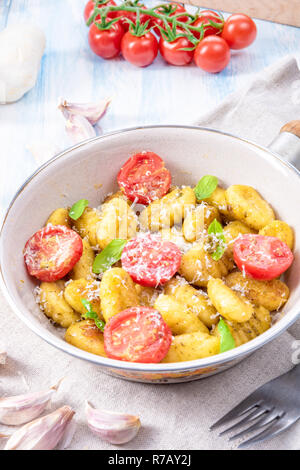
(173, 27)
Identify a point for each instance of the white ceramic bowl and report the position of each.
(89, 170)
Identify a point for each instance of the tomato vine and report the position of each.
(172, 29)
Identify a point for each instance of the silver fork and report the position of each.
(271, 409)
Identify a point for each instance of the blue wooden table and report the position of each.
(157, 94)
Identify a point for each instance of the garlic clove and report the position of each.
(67, 438)
(21, 409)
(115, 428)
(93, 112)
(3, 356)
(42, 434)
(78, 127)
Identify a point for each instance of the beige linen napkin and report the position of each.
(173, 416)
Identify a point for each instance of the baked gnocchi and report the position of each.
(161, 273)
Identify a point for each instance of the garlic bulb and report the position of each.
(21, 50)
(116, 428)
(24, 408)
(93, 112)
(44, 433)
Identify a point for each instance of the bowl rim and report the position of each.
(208, 362)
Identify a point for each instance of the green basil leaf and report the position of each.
(226, 339)
(205, 187)
(109, 256)
(216, 229)
(77, 209)
(90, 314)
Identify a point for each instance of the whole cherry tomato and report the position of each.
(239, 31)
(106, 43)
(212, 54)
(204, 18)
(155, 22)
(89, 8)
(179, 9)
(130, 15)
(172, 51)
(139, 50)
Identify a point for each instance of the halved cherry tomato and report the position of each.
(52, 252)
(239, 31)
(212, 54)
(89, 8)
(139, 50)
(144, 178)
(205, 17)
(138, 334)
(106, 43)
(262, 257)
(150, 260)
(172, 51)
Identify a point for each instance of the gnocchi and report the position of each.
(80, 289)
(195, 300)
(198, 267)
(248, 206)
(117, 221)
(244, 332)
(87, 225)
(60, 217)
(54, 305)
(85, 335)
(84, 267)
(169, 210)
(179, 318)
(228, 303)
(218, 200)
(280, 230)
(175, 274)
(117, 292)
(198, 220)
(271, 295)
(191, 346)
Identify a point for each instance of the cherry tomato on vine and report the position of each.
(138, 334)
(180, 9)
(139, 50)
(89, 8)
(239, 31)
(52, 252)
(212, 54)
(204, 18)
(172, 51)
(155, 22)
(130, 15)
(106, 43)
(262, 257)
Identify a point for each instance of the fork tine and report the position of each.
(256, 413)
(273, 430)
(267, 418)
(244, 406)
